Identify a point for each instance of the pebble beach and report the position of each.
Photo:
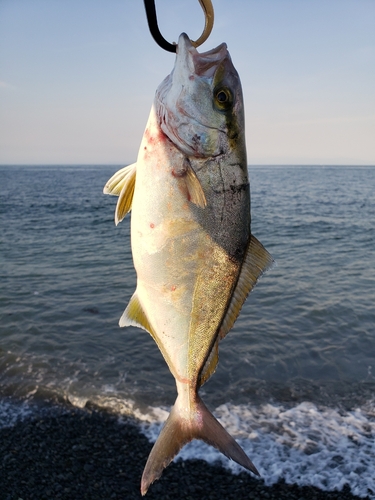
(68, 453)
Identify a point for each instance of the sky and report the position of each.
(78, 77)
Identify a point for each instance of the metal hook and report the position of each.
(158, 37)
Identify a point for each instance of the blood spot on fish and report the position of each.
(152, 225)
(173, 288)
(150, 137)
(155, 137)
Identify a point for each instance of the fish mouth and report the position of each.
(203, 64)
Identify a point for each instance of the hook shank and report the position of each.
(208, 11)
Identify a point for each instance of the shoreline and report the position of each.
(68, 453)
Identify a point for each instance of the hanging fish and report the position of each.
(195, 257)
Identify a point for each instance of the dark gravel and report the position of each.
(78, 454)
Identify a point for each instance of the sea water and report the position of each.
(296, 377)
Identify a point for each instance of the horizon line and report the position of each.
(122, 164)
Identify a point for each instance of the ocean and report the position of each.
(295, 383)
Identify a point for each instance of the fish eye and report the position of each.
(223, 98)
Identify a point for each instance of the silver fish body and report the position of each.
(195, 257)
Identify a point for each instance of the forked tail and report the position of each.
(181, 427)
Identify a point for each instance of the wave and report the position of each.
(303, 444)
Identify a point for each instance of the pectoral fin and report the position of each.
(257, 261)
(196, 193)
(122, 184)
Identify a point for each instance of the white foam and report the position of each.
(305, 445)
(77, 401)
(110, 400)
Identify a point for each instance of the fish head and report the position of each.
(200, 105)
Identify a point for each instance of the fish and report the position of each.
(195, 257)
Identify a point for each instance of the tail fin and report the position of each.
(181, 428)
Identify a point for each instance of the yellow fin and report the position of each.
(210, 365)
(257, 261)
(122, 184)
(135, 316)
(194, 187)
(115, 184)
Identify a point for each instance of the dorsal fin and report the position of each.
(257, 261)
(122, 184)
(210, 365)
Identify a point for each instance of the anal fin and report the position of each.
(135, 316)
